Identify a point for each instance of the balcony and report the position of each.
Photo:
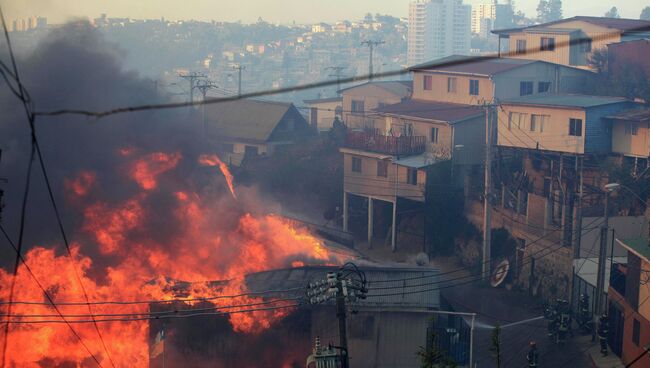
(373, 141)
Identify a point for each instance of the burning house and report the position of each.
(384, 330)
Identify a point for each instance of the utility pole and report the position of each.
(337, 73)
(602, 258)
(487, 192)
(204, 85)
(192, 78)
(344, 290)
(371, 46)
(239, 68)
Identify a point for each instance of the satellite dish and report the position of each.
(500, 273)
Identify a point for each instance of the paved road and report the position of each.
(499, 306)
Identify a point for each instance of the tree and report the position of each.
(645, 13)
(549, 10)
(612, 13)
(496, 345)
(431, 356)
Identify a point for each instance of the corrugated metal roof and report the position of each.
(429, 110)
(473, 65)
(323, 100)
(624, 25)
(418, 293)
(400, 88)
(639, 115)
(417, 162)
(640, 246)
(565, 100)
(245, 119)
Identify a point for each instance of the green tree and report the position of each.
(431, 356)
(549, 10)
(496, 345)
(645, 13)
(612, 13)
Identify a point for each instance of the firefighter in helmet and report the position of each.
(533, 355)
(603, 331)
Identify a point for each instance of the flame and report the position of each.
(214, 160)
(203, 246)
(82, 184)
(144, 171)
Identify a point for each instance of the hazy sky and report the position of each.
(283, 11)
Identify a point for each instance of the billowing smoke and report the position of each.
(140, 210)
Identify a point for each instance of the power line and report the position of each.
(434, 64)
(35, 147)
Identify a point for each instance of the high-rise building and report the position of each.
(438, 28)
(489, 16)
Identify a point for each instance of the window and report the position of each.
(631, 129)
(521, 47)
(412, 176)
(451, 84)
(381, 105)
(517, 120)
(251, 151)
(434, 135)
(575, 127)
(473, 87)
(356, 164)
(427, 83)
(636, 332)
(586, 45)
(382, 169)
(357, 106)
(228, 147)
(543, 87)
(547, 44)
(525, 88)
(538, 123)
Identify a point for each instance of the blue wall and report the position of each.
(597, 130)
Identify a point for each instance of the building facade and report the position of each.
(359, 101)
(438, 28)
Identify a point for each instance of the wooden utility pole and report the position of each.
(371, 46)
(337, 73)
(341, 315)
(239, 68)
(192, 78)
(487, 192)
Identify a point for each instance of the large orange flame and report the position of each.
(214, 160)
(143, 267)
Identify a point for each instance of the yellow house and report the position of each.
(388, 165)
(629, 309)
(359, 101)
(323, 111)
(570, 41)
(575, 124)
(471, 80)
(631, 133)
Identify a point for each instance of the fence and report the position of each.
(373, 141)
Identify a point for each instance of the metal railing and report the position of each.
(373, 141)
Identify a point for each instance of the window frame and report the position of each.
(355, 104)
(543, 83)
(474, 83)
(631, 129)
(357, 165)
(452, 85)
(382, 169)
(411, 176)
(435, 131)
(427, 83)
(547, 44)
(520, 50)
(526, 88)
(574, 129)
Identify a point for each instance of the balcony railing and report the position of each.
(373, 141)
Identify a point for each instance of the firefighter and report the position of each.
(584, 314)
(550, 313)
(563, 321)
(603, 331)
(533, 355)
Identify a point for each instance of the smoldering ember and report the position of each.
(427, 183)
